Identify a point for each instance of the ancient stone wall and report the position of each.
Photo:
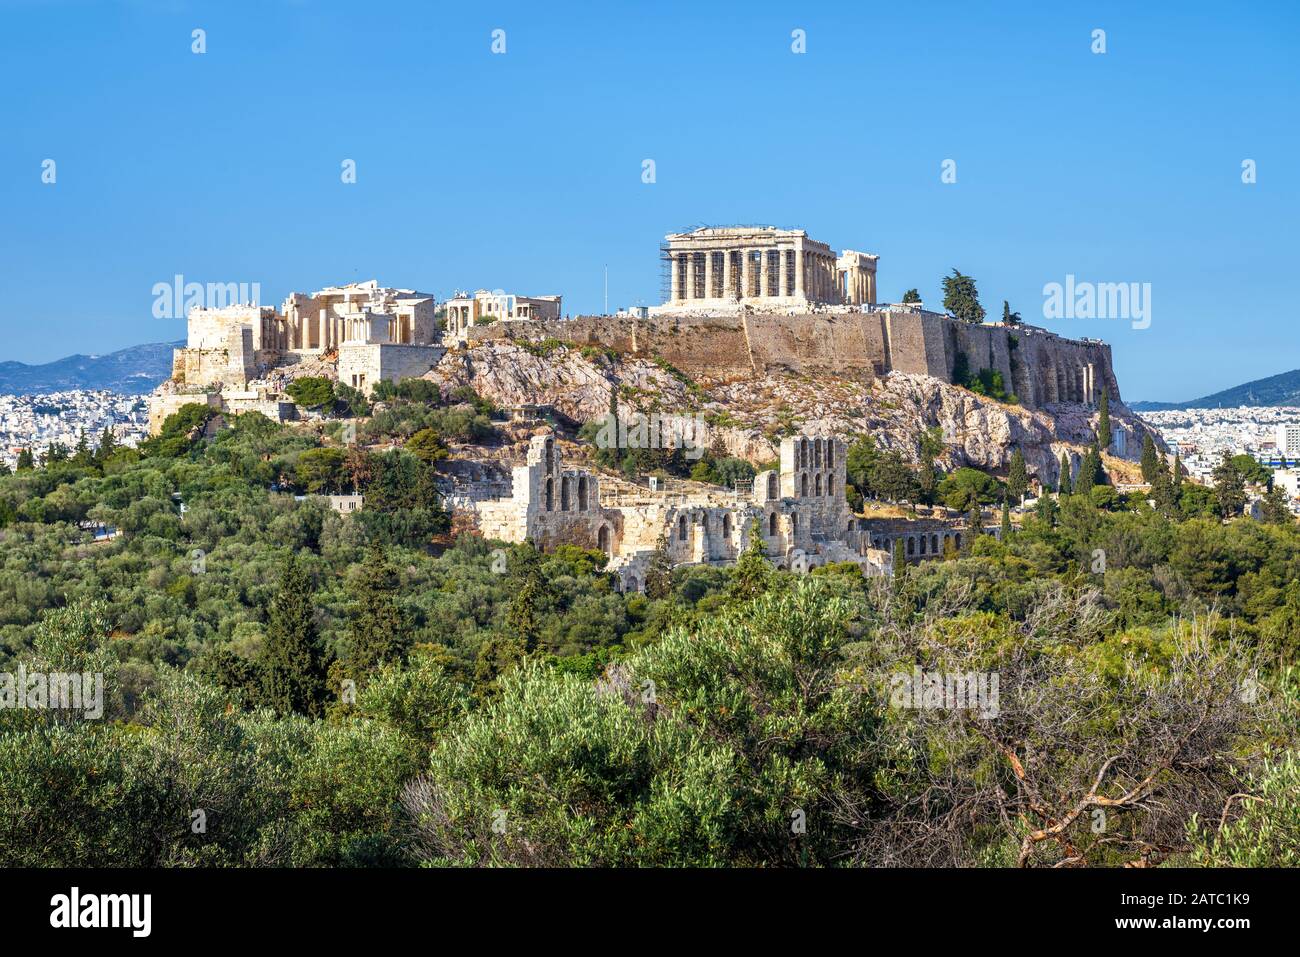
(1039, 367)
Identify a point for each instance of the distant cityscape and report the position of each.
(38, 421)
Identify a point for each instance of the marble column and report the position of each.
(690, 276)
(746, 267)
(800, 289)
(728, 277)
(708, 274)
(676, 294)
(783, 274)
(764, 272)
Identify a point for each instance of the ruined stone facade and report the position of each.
(764, 267)
(463, 310)
(799, 510)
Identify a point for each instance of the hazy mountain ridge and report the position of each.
(135, 370)
(1277, 390)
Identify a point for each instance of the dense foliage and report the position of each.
(286, 685)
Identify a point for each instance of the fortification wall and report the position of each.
(1039, 367)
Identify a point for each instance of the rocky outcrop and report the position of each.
(748, 415)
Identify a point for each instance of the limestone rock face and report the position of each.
(747, 415)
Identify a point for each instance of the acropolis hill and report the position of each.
(772, 329)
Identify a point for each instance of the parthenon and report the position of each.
(763, 266)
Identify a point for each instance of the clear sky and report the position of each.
(523, 170)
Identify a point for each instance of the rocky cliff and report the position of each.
(750, 414)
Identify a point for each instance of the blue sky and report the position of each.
(522, 171)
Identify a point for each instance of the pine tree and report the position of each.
(108, 445)
(659, 570)
(292, 664)
(1017, 477)
(377, 629)
(961, 298)
(1229, 488)
(1103, 420)
(528, 597)
(1064, 485)
(1275, 509)
(753, 574)
(25, 461)
(1150, 459)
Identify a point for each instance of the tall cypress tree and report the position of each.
(659, 570)
(1103, 420)
(292, 663)
(1063, 486)
(1017, 477)
(377, 629)
(753, 574)
(524, 614)
(1150, 459)
(1006, 520)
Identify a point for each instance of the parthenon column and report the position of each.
(690, 276)
(799, 289)
(728, 277)
(783, 274)
(708, 274)
(676, 294)
(745, 269)
(764, 272)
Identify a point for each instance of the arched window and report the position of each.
(550, 454)
(794, 523)
(803, 486)
(818, 486)
(923, 540)
(681, 528)
(830, 485)
(726, 526)
(773, 492)
(565, 482)
(550, 494)
(956, 540)
(830, 453)
(935, 542)
(803, 453)
(771, 524)
(602, 542)
(582, 494)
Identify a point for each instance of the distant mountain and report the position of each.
(1283, 389)
(132, 371)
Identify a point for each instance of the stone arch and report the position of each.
(803, 453)
(817, 485)
(773, 489)
(550, 493)
(803, 485)
(681, 528)
(817, 453)
(633, 584)
(911, 545)
(582, 493)
(565, 484)
(830, 484)
(956, 539)
(934, 540)
(771, 524)
(550, 454)
(603, 543)
(924, 540)
(830, 453)
(726, 525)
(794, 523)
